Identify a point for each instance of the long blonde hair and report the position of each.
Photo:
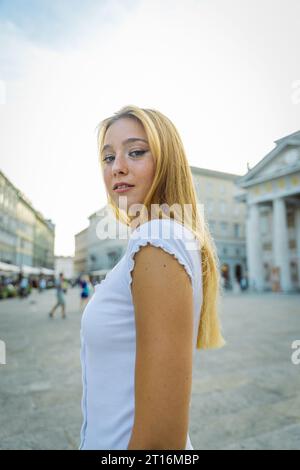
(173, 183)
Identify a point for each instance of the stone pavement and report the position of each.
(245, 395)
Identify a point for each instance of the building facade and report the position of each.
(43, 242)
(80, 258)
(96, 249)
(226, 217)
(271, 191)
(26, 237)
(65, 265)
(104, 251)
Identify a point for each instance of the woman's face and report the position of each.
(128, 161)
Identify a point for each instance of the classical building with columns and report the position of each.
(271, 191)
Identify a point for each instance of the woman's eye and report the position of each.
(137, 152)
(106, 158)
(140, 152)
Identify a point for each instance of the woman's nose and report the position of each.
(119, 165)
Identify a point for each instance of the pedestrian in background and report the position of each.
(42, 284)
(24, 287)
(86, 289)
(60, 295)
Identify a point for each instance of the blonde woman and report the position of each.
(140, 330)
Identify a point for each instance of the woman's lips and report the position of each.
(123, 190)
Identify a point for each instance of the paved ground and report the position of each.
(245, 395)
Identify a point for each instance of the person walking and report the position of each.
(60, 296)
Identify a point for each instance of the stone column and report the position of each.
(297, 224)
(281, 244)
(254, 249)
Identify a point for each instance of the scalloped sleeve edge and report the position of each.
(139, 243)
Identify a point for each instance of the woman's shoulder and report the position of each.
(169, 235)
(162, 228)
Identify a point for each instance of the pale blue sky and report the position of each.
(225, 71)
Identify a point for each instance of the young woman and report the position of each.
(141, 328)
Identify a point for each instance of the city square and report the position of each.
(244, 396)
(113, 115)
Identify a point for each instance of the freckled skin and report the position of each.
(135, 169)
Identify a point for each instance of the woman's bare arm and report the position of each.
(163, 301)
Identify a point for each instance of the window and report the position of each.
(209, 187)
(209, 206)
(223, 207)
(237, 230)
(267, 246)
(224, 228)
(267, 272)
(264, 225)
(291, 219)
(236, 210)
(222, 189)
(294, 272)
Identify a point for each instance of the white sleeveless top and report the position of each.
(108, 342)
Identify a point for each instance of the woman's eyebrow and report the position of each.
(131, 139)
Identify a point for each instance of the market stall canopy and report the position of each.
(30, 270)
(47, 272)
(9, 268)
